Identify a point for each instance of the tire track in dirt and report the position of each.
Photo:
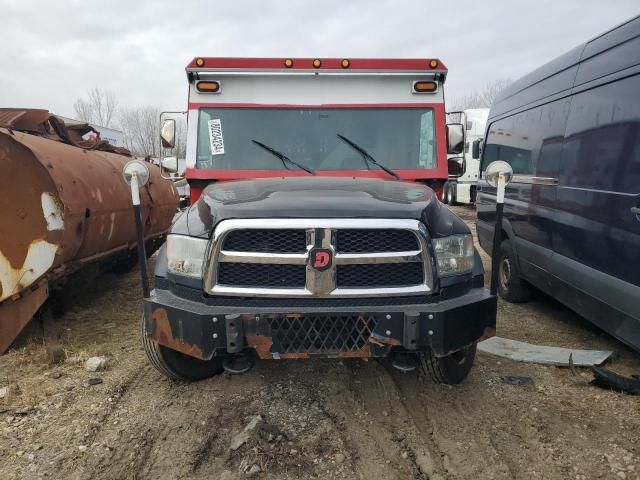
(378, 427)
(480, 433)
(428, 405)
(168, 430)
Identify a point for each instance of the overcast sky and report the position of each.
(52, 52)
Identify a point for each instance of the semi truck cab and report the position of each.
(461, 188)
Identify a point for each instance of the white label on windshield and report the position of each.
(215, 137)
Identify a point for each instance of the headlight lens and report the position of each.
(454, 254)
(185, 255)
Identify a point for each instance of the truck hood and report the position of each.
(317, 197)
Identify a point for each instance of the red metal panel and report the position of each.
(196, 105)
(381, 64)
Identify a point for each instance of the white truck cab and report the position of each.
(462, 189)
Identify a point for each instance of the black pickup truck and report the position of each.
(316, 266)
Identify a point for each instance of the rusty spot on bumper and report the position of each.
(488, 333)
(384, 341)
(163, 334)
(294, 355)
(365, 352)
(261, 344)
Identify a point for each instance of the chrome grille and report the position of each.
(369, 257)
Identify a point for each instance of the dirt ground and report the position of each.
(320, 418)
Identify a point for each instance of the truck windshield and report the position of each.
(399, 138)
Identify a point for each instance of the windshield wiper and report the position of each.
(367, 156)
(283, 158)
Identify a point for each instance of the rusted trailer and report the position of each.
(63, 206)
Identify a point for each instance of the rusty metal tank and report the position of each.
(63, 205)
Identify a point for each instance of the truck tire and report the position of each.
(451, 195)
(449, 370)
(445, 192)
(176, 365)
(511, 286)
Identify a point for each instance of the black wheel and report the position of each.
(451, 194)
(450, 370)
(176, 365)
(511, 286)
(445, 193)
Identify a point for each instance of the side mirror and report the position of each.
(455, 138)
(475, 149)
(170, 164)
(499, 172)
(168, 133)
(456, 166)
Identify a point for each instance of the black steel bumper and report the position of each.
(203, 331)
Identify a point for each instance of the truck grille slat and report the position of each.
(321, 334)
(262, 275)
(264, 240)
(379, 275)
(373, 241)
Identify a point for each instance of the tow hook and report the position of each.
(405, 362)
(237, 363)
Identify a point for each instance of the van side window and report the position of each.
(528, 140)
(602, 146)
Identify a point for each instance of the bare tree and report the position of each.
(493, 89)
(141, 130)
(483, 99)
(98, 108)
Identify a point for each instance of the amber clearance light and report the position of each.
(317, 63)
(433, 63)
(288, 63)
(200, 62)
(345, 63)
(425, 87)
(208, 86)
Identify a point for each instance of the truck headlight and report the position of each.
(185, 255)
(454, 254)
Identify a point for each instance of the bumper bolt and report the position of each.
(388, 332)
(431, 316)
(430, 332)
(215, 319)
(388, 317)
(215, 335)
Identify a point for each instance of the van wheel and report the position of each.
(445, 192)
(450, 370)
(176, 365)
(451, 195)
(511, 286)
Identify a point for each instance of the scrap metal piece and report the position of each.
(16, 313)
(526, 352)
(604, 378)
(517, 380)
(64, 205)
